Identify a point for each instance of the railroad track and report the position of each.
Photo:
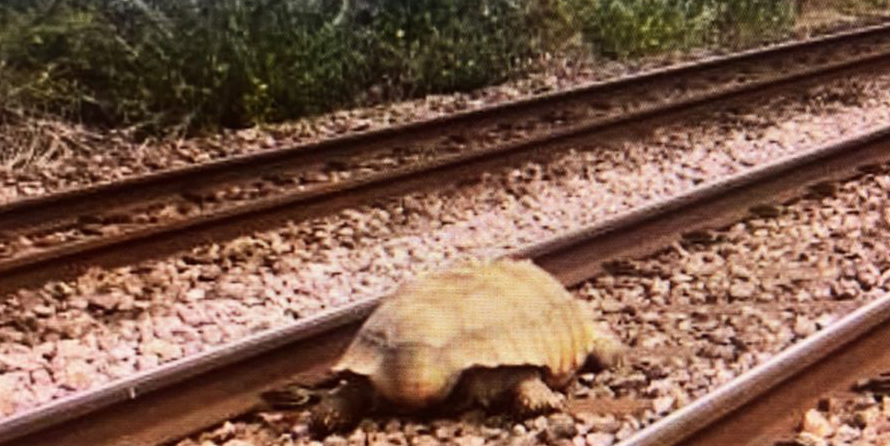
(766, 404)
(182, 397)
(154, 215)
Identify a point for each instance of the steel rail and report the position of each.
(173, 179)
(764, 401)
(178, 398)
(159, 240)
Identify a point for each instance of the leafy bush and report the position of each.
(428, 46)
(743, 22)
(633, 27)
(625, 28)
(157, 63)
(177, 62)
(193, 64)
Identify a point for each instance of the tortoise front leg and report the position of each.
(532, 397)
(342, 408)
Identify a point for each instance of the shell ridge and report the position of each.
(551, 292)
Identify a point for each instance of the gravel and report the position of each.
(69, 336)
(818, 259)
(860, 416)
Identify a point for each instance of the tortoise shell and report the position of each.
(419, 341)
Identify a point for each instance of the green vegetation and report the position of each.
(164, 65)
(626, 28)
(156, 63)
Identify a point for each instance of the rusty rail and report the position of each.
(193, 393)
(765, 402)
(158, 240)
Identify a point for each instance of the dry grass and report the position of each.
(817, 15)
(28, 141)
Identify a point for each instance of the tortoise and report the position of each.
(492, 333)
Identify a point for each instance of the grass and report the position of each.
(183, 66)
(161, 64)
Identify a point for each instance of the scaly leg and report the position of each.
(343, 408)
(533, 397)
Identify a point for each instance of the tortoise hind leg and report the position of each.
(532, 397)
(520, 386)
(343, 408)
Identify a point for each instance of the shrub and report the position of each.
(426, 46)
(749, 21)
(159, 65)
(194, 63)
(624, 28)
